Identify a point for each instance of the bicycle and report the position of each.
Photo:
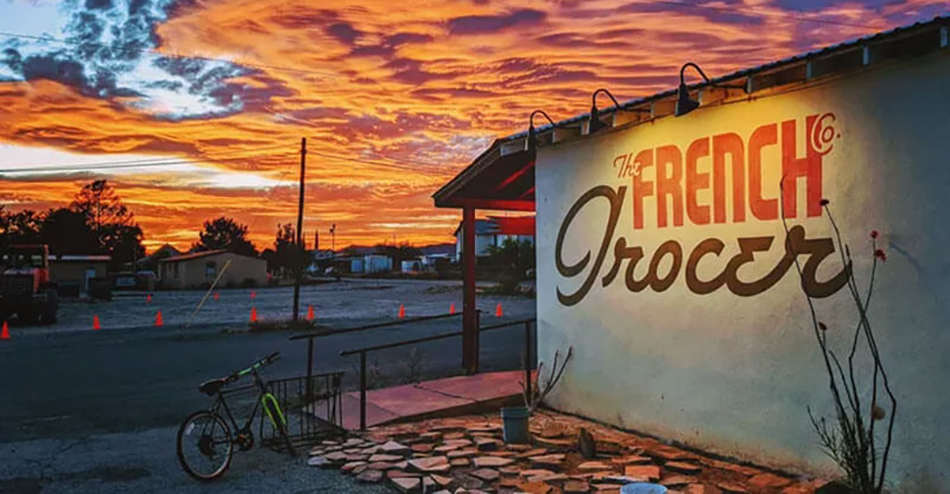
(206, 440)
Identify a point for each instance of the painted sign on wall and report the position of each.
(669, 273)
(676, 186)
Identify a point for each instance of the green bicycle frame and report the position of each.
(269, 398)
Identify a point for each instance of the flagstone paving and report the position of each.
(551, 464)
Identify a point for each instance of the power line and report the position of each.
(156, 161)
(394, 164)
(120, 165)
(156, 52)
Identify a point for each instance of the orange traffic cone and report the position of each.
(158, 320)
(216, 295)
(402, 311)
(253, 314)
(5, 332)
(452, 309)
(95, 322)
(309, 312)
(498, 311)
(148, 298)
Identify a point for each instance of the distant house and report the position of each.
(494, 231)
(73, 273)
(371, 263)
(199, 269)
(150, 262)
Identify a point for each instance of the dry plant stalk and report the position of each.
(851, 441)
(540, 389)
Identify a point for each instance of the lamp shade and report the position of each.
(684, 104)
(595, 123)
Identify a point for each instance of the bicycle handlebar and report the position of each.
(270, 359)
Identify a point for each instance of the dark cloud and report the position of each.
(440, 94)
(818, 5)
(410, 71)
(109, 40)
(712, 13)
(406, 38)
(98, 4)
(690, 38)
(344, 33)
(387, 48)
(487, 24)
(300, 16)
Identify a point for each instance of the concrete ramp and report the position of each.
(429, 399)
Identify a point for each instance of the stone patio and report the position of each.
(467, 454)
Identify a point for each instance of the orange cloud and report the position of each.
(394, 98)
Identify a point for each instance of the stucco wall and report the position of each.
(191, 272)
(732, 373)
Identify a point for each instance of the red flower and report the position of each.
(880, 254)
(823, 202)
(873, 233)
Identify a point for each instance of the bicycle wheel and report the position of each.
(204, 446)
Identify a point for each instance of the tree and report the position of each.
(514, 256)
(227, 234)
(401, 252)
(123, 243)
(287, 254)
(113, 225)
(67, 232)
(19, 228)
(515, 259)
(102, 207)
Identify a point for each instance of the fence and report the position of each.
(526, 357)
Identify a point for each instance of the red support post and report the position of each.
(469, 317)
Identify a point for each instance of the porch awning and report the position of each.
(502, 178)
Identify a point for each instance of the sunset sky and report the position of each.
(394, 97)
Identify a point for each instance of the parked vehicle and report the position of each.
(25, 287)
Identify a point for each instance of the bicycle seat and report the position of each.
(212, 387)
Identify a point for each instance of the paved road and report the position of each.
(92, 411)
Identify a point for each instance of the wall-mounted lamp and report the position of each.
(595, 123)
(685, 104)
(531, 139)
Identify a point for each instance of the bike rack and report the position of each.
(300, 403)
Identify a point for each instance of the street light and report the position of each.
(685, 104)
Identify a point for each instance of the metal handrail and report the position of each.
(347, 353)
(320, 334)
(363, 351)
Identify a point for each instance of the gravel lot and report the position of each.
(97, 411)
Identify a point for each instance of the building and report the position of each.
(73, 273)
(494, 231)
(662, 258)
(371, 263)
(200, 269)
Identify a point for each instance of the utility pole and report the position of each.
(333, 239)
(300, 244)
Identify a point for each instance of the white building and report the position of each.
(662, 257)
(495, 231)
